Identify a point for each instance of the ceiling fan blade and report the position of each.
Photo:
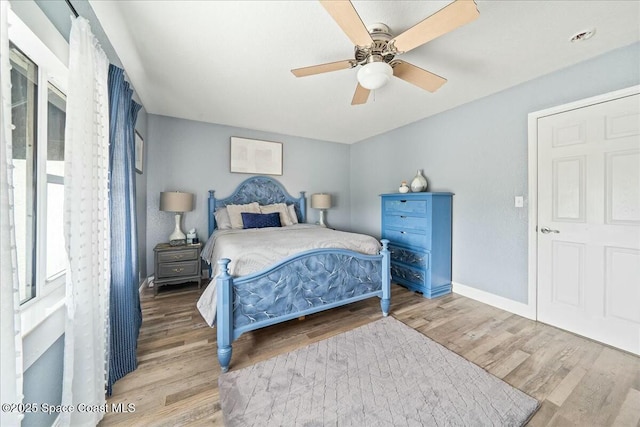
(447, 19)
(324, 68)
(345, 15)
(360, 96)
(417, 76)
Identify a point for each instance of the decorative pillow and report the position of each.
(222, 219)
(235, 213)
(281, 208)
(256, 220)
(292, 214)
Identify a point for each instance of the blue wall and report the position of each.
(141, 197)
(193, 156)
(43, 384)
(479, 152)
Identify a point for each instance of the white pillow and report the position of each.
(292, 214)
(281, 208)
(235, 213)
(222, 219)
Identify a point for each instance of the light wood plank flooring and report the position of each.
(578, 381)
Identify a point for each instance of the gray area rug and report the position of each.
(380, 374)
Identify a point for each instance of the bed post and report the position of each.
(211, 208)
(224, 314)
(385, 302)
(210, 213)
(303, 207)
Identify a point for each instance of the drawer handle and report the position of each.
(178, 270)
(403, 216)
(403, 232)
(177, 256)
(403, 201)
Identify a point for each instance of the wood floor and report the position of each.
(578, 382)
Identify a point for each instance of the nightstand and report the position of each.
(176, 264)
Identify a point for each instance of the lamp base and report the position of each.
(322, 222)
(177, 236)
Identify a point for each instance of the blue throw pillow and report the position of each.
(256, 220)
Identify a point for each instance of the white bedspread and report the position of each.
(255, 249)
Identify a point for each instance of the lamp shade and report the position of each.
(321, 201)
(175, 201)
(374, 75)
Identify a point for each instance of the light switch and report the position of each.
(519, 201)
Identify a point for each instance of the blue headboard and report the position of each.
(261, 189)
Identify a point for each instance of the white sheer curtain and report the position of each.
(10, 338)
(87, 232)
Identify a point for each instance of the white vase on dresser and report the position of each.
(419, 182)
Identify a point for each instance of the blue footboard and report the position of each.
(305, 283)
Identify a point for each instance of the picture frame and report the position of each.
(255, 156)
(139, 152)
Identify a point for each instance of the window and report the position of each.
(38, 114)
(23, 117)
(56, 112)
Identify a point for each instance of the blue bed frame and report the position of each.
(305, 283)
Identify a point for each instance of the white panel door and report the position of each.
(589, 221)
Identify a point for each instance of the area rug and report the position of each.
(380, 374)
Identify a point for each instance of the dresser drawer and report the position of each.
(405, 222)
(178, 269)
(413, 258)
(179, 255)
(406, 237)
(403, 206)
(408, 275)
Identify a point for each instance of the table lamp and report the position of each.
(177, 202)
(321, 201)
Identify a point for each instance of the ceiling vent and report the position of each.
(583, 35)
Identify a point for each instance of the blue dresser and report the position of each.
(418, 225)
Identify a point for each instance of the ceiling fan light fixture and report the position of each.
(374, 75)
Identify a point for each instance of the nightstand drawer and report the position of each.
(178, 269)
(411, 207)
(183, 254)
(413, 258)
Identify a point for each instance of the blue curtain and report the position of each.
(124, 305)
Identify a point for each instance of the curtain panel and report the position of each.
(86, 227)
(10, 338)
(125, 314)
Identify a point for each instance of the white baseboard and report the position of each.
(144, 284)
(515, 307)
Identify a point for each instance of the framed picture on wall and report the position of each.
(139, 152)
(255, 156)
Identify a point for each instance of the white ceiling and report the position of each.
(229, 62)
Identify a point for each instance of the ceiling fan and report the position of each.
(376, 48)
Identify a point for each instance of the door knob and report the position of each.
(547, 230)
